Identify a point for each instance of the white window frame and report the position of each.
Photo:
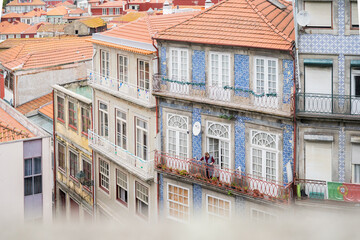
(266, 74)
(179, 67)
(184, 205)
(177, 132)
(216, 215)
(105, 63)
(104, 11)
(313, 25)
(220, 69)
(117, 11)
(125, 188)
(104, 175)
(252, 210)
(264, 150)
(124, 77)
(57, 154)
(228, 140)
(351, 14)
(123, 134)
(143, 130)
(144, 80)
(103, 128)
(77, 162)
(138, 212)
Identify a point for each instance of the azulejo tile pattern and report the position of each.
(198, 68)
(196, 140)
(242, 74)
(163, 60)
(288, 148)
(161, 126)
(161, 193)
(288, 72)
(342, 154)
(197, 198)
(240, 151)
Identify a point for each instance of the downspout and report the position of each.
(294, 120)
(54, 142)
(92, 126)
(296, 42)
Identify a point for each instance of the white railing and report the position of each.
(143, 168)
(226, 95)
(125, 90)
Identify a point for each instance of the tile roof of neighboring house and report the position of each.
(129, 17)
(148, 1)
(66, 3)
(118, 4)
(15, 27)
(77, 11)
(11, 129)
(12, 15)
(93, 22)
(12, 42)
(54, 52)
(144, 28)
(58, 11)
(35, 104)
(52, 27)
(32, 3)
(247, 23)
(33, 29)
(47, 110)
(34, 13)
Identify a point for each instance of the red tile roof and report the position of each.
(118, 4)
(15, 27)
(48, 110)
(49, 27)
(12, 15)
(11, 129)
(66, 3)
(35, 104)
(52, 52)
(34, 2)
(34, 13)
(246, 23)
(58, 11)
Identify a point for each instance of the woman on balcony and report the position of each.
(209, 164)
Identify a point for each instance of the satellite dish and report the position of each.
(303, 18)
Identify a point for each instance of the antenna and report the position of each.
(303, 18)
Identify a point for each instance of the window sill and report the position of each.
(62, 171)
(85, 134)
(73, 127)
(104, 189)
(74, 180)
(122, 202)
(61, 120)
(87, 189)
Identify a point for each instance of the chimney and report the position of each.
(208, 4)
(166, 8)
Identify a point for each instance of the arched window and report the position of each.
(177, 121)
(177, 135)
(264, 139)
(218, 130)
(218, 143)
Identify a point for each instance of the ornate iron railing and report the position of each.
(223, 95)
(327, 104)
(143, 168)
(228, 179)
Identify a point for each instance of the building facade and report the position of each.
(327, 108)
(73, 158)
(233, 100)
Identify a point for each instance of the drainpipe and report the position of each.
(296, 28)
(92, 127)
(54, 142)
(294, 120)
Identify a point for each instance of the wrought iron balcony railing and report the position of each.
(315, 189)
(227, 179)
(144, 169)
(226, 95)
(137, 94)
(327, 104)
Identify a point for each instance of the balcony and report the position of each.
(308, 190)
(327, 104)
(226, 179)
(227, 96)
(123, 90)
(141, 168)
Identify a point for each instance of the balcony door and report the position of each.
(219, 76)
(318, 89)
(355, 92)
(179, 71)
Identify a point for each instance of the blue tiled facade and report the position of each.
(288, 148)
(163, 60)
(242, 74)
(198, 68)
(288, 72)
(240, 151)
(161, 193)
(342, 143)
(196, 140)
(197, 198)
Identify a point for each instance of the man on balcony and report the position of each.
(209, 164)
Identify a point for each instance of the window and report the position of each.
(60, 108)
(354, 15)
(73, 163)
(141, 139)
(143, 75)
(9, 81)
(32, 176)
(219, 69)
(264, 155)
(355, 160)
(105, 58)
(72, 115)
(103, 121)
(265, 75)
(217, 208)
(218, 143)
(85, 120)
(179, 64)
(320, 12)
(260, 216)
(61, 156)
(117, 11)
(178, 203)
(177, 136)
(104, 175)
(111, 11)
(121, 129)
(142, 200)
(356, 173)
(123, 69)
(121, 186)
(104, 11)
(87, 171)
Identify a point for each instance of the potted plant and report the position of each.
(245, 189)
(170, 169)
(214, 180)
(233, 185)
(177, 171)
(256, 193)
(184, 173)
(164, 167)
(159, 165)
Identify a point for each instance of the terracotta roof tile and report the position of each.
(58, 11)
(48, 110)
(35, 104)
(77, 11)
(34, 13)
(15, 27)
(93, 22)
(248, 23)
(34, 2)
(129, 17)
(52, 27)
(66, 3)
(12, 15)
(118, 4)
(11, 129)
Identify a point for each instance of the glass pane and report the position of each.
(28, 186)
(37, 184)
(28, 167)
(37, 165)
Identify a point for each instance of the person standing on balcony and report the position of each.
(209, 164)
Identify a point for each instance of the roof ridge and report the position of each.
(274, 28)
(14, 130)
(196, 15)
